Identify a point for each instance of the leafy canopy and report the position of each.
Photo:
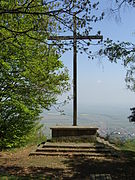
(58, 12)
(31, 73)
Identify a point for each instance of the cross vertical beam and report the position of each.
(75, 37)
(74, 72)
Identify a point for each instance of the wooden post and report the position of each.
(75, 37)
(74, 72)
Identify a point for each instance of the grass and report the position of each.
(10, 177)
(18, 165)
(128, 148)
(129, 145)
(83, 139)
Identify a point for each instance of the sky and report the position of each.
(100, 82)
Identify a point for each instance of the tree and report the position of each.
(124, 51)
(59, 12)
(132, 117)
(31, 74)
(120, 3)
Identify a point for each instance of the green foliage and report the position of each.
(40, 16)
(36, 136)
(121, 142)
(125, 52)
(31, 75)
(132, 116)
(129, 145)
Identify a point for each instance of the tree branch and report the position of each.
(33, 13)
(17, 32)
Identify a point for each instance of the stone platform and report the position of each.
(73, 132)
(99, 149)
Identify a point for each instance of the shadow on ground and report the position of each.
(84, 167)
(130, 155)
(76, 168)
(16, 172)
(119, 168)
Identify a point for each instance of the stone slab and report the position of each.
(73, 131)
(100, 177)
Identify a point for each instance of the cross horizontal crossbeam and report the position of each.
(77, 37)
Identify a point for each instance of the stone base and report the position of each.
(74, 133)
(75, 139)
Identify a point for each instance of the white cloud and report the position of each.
(83, 114)
(99, 81)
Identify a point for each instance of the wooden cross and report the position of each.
(74, 38)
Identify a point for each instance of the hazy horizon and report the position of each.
(107, 119)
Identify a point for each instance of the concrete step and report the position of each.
(92, 149)
(90, 154)
(71, 145)
(75, 149)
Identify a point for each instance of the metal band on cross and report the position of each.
(75, 38)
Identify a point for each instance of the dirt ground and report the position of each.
(22, 166)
